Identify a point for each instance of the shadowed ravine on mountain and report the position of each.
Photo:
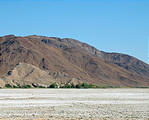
(44, 60)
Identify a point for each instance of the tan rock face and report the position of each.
(42, 60)
(2, 83)
(27, 74)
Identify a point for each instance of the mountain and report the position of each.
(62, 60)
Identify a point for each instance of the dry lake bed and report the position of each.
(74, 104)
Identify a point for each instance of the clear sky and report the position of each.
(109, 25)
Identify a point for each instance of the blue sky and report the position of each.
(109, 25)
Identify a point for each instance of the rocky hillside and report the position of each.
(62, 60)
(27, 74)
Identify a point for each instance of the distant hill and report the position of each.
(43, 60)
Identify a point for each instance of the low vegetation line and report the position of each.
(68, 85)
(55, 85)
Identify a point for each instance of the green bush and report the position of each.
(85, 85)
(41, 87)
(8, 86)
(54, 85)
(26, 86)
(142, 87)
(78, 86)
(16, 86)
(92, 86)
(72, 85)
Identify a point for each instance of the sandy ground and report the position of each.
(74, 104)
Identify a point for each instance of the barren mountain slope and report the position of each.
(27, 74)
(78, 60)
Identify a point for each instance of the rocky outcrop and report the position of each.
(27, 74)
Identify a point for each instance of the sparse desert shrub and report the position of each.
(72, 85)
(85, 85)
(53, 85)
(41, 86)
(78, 86)
(26, 86)
(142, 87)
(8, 86)
(102, 87)
(66, 85)
(92, 86)
(16, 86)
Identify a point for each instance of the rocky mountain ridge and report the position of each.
(79, 61)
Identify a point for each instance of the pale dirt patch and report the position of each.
(74, 104)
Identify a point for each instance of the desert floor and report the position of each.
(74, 104)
